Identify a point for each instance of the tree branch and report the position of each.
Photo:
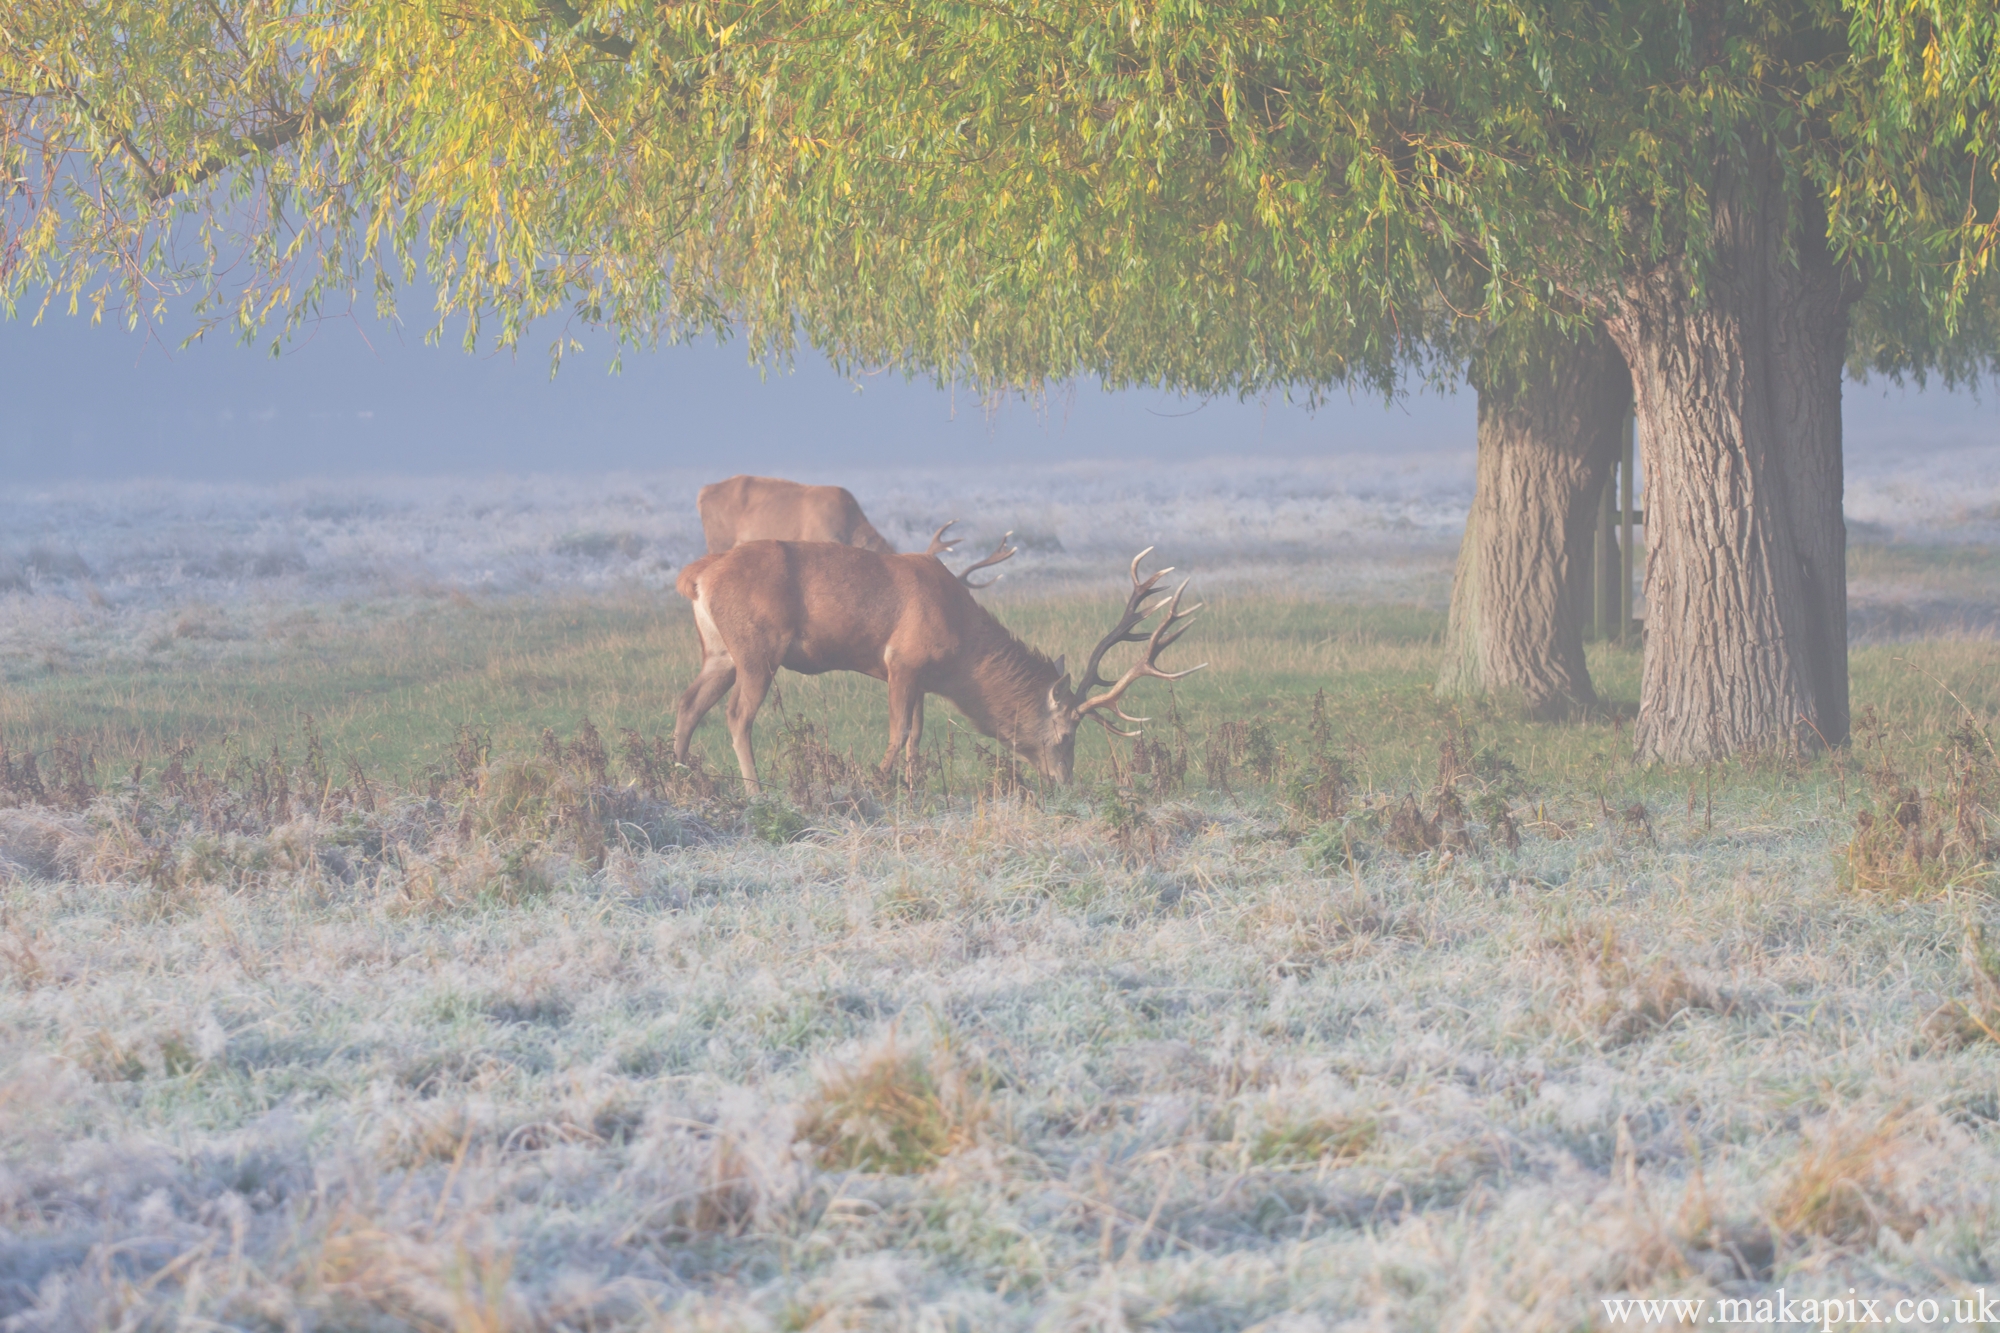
(284, 132)
(618, 48)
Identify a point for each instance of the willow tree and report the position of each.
(264, 162)
(1712, 185)
(1656, 169)
(1235, 195)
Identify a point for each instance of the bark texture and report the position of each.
(1738, 402)
(1520, 592)
(1810, 334)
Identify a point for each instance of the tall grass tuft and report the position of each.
(1849, 1182)
(896, 1109)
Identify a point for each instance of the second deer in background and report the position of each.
(751, 509)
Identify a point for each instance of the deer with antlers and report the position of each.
(747, 509)
(816, 607)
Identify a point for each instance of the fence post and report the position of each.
(1628, 562)
(1603, 560)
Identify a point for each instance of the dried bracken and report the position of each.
(1910, 843)
(1619, 997)
(1975, 1017)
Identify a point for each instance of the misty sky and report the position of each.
(361, 398)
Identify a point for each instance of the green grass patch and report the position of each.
(393, 688)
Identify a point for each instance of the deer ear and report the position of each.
(1062, 665)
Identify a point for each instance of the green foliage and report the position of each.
(278, 160)
(1341, 844)
(1229, 197)
(775, 822)
(1232, 197)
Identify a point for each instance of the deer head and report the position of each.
(1048, 741)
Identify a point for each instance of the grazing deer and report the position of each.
(817, 607)
(748, 509)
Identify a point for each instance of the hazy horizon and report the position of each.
(359, 398)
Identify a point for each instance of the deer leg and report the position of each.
(902, 693)
(752, 686)
(913, 734)
(717, 675)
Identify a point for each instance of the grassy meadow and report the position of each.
(366, 964)
(391, 685)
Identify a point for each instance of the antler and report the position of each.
(938, 544)
(1002, 551)
(1136, 610)
(1163, 636)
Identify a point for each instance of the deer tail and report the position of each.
(690, 576)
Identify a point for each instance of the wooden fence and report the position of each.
(1618, 555)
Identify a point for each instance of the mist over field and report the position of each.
(1349, 525)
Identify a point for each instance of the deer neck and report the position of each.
(1004, 687)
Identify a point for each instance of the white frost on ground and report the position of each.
(1346, 525)
(1351, 527)
(1942, 495)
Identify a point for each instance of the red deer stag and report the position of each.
(748, 509)
(816, 607)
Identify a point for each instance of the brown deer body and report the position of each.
(815, 607)
(748, 509)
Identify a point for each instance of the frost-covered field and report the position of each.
(555, 1039)
(1917, 494)
(1335, 525)
(377, 1065)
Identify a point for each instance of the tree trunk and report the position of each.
(1810, 327)
(1546, 445)
(1738, 402)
